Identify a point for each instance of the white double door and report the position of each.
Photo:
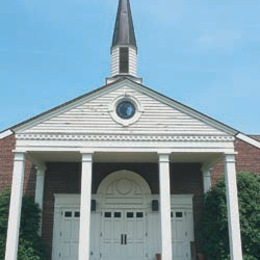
(123, 235)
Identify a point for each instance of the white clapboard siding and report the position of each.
(132, 61)
(114, 61)
(94, 117)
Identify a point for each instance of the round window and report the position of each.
(125, 109)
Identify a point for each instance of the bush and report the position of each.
(214, 225)
(30, 246)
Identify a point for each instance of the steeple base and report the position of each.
(115, 78)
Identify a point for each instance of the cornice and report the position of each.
(126, 138)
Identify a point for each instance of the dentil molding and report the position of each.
(126, 137)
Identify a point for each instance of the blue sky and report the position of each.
(205, 54)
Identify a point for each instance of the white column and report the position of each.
(15, 207)
(39, 191)
(165, 206)
(206, 179)
(85, 204)
(232, 208)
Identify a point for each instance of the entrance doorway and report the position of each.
(124, 216)
(124, 226)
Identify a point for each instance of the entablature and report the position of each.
(124, 143)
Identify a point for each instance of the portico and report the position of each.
(164, 158)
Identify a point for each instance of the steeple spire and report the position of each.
(124, 48)
(124, 29)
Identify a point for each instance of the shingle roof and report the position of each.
(257, 137)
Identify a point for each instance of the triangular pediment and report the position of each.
(92, 114)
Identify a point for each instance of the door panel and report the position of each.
(69, 235)
(123, 235)
(135, 229)
(180, 239)
(112, 225)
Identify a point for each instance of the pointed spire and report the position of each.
(124, 29)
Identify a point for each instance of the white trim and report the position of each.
(184, 201)
(178, 148)
(5, 134)
(248, 140)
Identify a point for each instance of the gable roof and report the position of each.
(139, 87)
(160, 97)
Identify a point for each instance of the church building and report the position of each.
(119, 173)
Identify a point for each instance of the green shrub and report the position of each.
(214, 225)
(30, 245)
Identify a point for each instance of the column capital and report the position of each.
(87, 157)
(164, 151)
(164, 157)
(41, 168)
(230, 157)
(206, 171)
(19, 156)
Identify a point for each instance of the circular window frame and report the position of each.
(125, 121)
(122, 105)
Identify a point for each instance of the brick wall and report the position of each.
(7, 145)
(247, 159)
